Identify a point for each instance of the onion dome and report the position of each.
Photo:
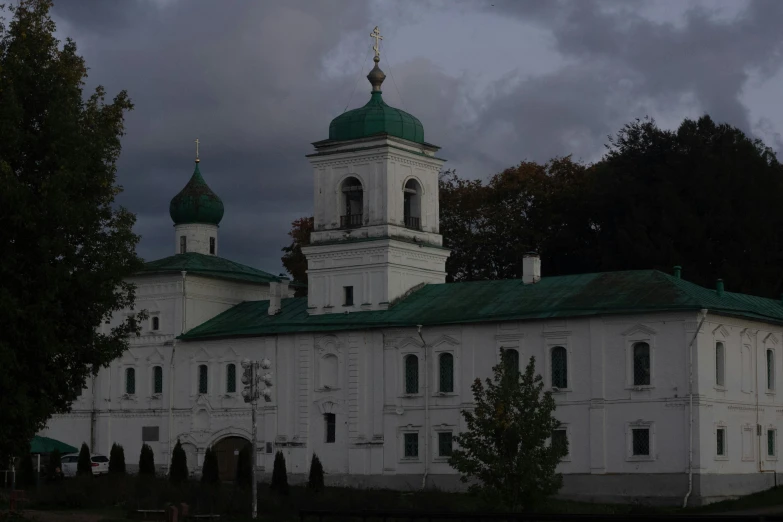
(196, 203)
(376, 117)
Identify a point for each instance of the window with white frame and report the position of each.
(720, 364)
(641, 364)
(157, 379)
(772, 449)
(445, 443)
(231, 378)
(720, 442)
(411, 374)
(560, 438)
(748, 447)
(770, 369)
(559, 359)
(410, 442)
(511, 357)
(446, 373)
(640, 441)
(130, 381)
(203, 379)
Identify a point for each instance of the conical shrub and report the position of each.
(84, 464)
(179, 465)
(117, 460)
(315, 481)
(210, 474)
(279, 475)
(245, 467)
(146, 461)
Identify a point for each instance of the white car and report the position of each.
(69, 462)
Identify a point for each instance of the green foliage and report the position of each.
(209, 471)
(279, 475)
(505, 446)
(146, 461)
(116, 459)
(315, 481)
(26, 478)
(293, 259)
(84, 464)
(54, 463)
(179, 465)
(244, 476)
(65, 240)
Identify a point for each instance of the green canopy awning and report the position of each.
(47, 445)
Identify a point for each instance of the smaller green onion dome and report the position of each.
(196, 203)
(376, 117)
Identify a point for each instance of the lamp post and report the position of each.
(252, 391)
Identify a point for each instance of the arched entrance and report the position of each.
(227, 451)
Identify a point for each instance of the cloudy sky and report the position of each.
(493, 81)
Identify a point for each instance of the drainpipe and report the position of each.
(426, 412)
(93, 414)
(690, 408)
(171, 369)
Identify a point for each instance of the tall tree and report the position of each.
(506, 447)
(704, 196)
(66, 248)
(293, 259)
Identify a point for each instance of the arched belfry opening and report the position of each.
(412, 204)
(353, 203)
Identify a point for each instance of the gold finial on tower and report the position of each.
(376, 34)
(197, 160)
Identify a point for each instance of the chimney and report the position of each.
(719, 287)
(531, 268)
(678, 271)
(275, 296)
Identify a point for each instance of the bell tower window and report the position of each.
(183, 244)
(212, 246)
(412, 204)
(352, 203)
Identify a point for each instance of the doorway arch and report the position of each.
(227, 451)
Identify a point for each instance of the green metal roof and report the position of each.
(453, 303)
(46, 445)
(196, 203)
(376, 118)
(209, 266)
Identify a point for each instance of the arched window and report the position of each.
(559, 367)
(157, 379)
(641, 364)
(156, 323)
(329, 367)
(231, 378)
(412, 204)
(353, 203)
(511, 357)
(203, 382)
(130, 381)
(770, 370)
(720, 364)
(446, 372)
(411, 374)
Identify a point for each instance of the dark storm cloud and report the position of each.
(623, 65)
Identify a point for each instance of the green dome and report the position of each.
(375, 118)
(196, 203)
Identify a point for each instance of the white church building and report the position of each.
(664, 388)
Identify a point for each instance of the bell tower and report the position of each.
(376, 230)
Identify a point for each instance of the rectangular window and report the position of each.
(203, 379)
(445, 440)
(183, 244)
(719, 364)
(231, 378)
(721, 442)
(130, 381)
(560, 438)
(771, 436)
(348, 301)
(770, 370)
(411, 445)
(157, 377)
(640, 441)
(212, 246)
(150, 434)
(156, 323)
(331, 426)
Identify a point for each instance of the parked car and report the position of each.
(70, 462)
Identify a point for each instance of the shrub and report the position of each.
(179, 465)
(84, 465)
(315, 481)
(279, 475)
(117, 459)
(209, 471)
(54, 464)
(245, 467)
(147, 461)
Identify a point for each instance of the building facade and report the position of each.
(665, 389)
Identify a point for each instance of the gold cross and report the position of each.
(196, 148)
(377, 35)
